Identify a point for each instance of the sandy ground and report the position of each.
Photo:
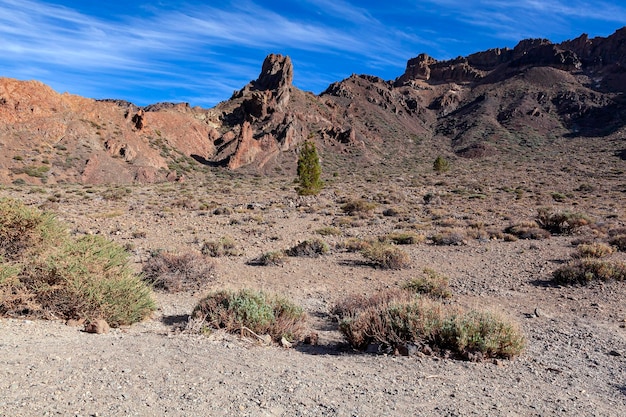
(574, 364)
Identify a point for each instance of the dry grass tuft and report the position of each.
(225, 246)
(386, 256)
(593, 250)
(311, 248)
(449, 237)
(619, 241)
(430, 283)
(272, 258)
(361, 207)
(402, 238)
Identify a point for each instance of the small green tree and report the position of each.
(309, 170)
(441, 164)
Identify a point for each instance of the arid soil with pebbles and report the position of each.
(574, 363)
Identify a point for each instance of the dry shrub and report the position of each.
(329, 231)
(354, 244)
(527, 230)
(430, 326)
(560, 222)
(361, 207)
(173, 272)
(619, 241)
(587, 270)
(225, 246)
(386, 256)
(593, 250)
(311, 248)
(449, 237)
(393, 212)
(430, 283)
(272, 258)
(402, 238)
(355, 304)
(251, 310)
(223, 211)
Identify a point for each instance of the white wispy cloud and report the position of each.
(34, 33)
(200, 49)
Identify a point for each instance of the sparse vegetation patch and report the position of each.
(429, 326)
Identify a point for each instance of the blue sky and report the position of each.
(201, 51)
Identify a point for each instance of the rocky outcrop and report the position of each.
(262, 119)
(581, 53)
(488, 102)
(271, 91)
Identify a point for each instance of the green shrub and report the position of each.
(178, 272)
(441, 165)
(312, 248)
(430, 326)
(480, 332)
(386, 256)
(33, 170)
(429, 283)
(587, 270)
(25, 230)
(560, 222)
(309, 170)
(255, 311)
(45, 273)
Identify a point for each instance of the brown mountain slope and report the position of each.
(507, 102)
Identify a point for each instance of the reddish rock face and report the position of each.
(475, 106)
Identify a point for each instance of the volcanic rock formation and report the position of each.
(499, 101)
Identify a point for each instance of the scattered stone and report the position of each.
(373, 348)
(311, 339)
(75, 322)
(285, 343)
(266, 339)
(98, 326)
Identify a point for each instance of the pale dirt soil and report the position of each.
(574, 364)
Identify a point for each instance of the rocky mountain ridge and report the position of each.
(497, 102)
